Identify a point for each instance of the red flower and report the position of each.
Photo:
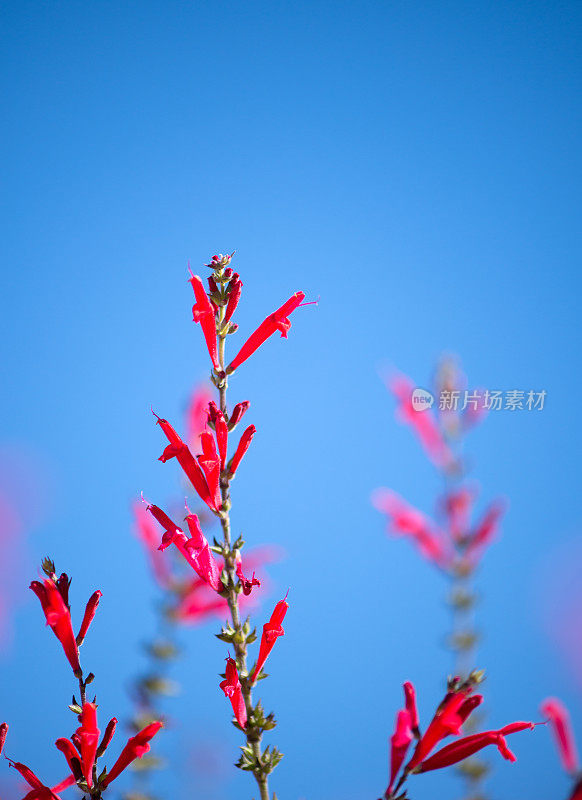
(90, 611)
(463, 748)
(107, 736)
(81, 755)
(234, 293)
(58, 617)
(277, 321)
(187, 461)
(39, 790)
(238, 413)
(448, 719)
(247, 585)
(400, 742)
(410, 702)
(243, 446)
(88, 738)
(210, 463)
(216, 416)
(136, 747)
(271, 632)
(203, 312)
(559, 718)
(232, 689)
(195, 550)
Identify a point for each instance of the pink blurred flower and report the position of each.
(457, 506)
(197, 415)
(147, 532)
(423, 422)
(559, 718)
(486, 530)
(408, 521)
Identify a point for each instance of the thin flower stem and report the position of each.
(240, 646)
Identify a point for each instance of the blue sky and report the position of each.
(416, 166)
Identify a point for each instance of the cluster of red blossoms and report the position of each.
(83, 750)
(454, 710)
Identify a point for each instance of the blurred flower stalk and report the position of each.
(449, 540)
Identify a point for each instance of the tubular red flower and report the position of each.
(232, 689)
(210, 463)
(107, 736)
(137, 746)
(468, 706)
(40, 791)
(203, 313)
(90, 610)
(238, 413)
(277, 321)
(400, 742)
(446, 721)
(463, 748)
(247, 585)
(187, 461)
(234, 293)
(410, 703)
(559, 718)
(3, 732)
(64, 784)
(88, 738)
(216, 416)
(195, 550)
(458, 751)
(73, 757)
(243, 446)
(202, 557)
(58, 617)
(271, 632)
